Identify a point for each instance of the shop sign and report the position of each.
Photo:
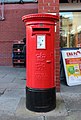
(70, 1)
(72, 66)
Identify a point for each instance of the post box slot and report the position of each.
(40, 30)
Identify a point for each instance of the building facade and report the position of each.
(12, 29)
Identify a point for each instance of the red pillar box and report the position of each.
(40, 83)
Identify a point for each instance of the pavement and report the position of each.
(12, 99)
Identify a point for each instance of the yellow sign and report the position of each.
(72, 66)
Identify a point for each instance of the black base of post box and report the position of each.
(40, 100)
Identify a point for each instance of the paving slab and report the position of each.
(4, 85)
(59, 111)
(2, 90)
(14, 93)
(70, 89)
(71, 116)
(10, 86)
(56, 118)
(13, 117)
(72, 101)
(15, 86)
(2, 75)
(74, 116)
(7, 79)
(8, 105)
(20, 81)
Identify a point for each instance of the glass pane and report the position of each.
(70, 29)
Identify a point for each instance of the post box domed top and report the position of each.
(40, 17)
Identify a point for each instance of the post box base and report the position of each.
(40, 100)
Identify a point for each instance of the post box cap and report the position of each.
(40, 16)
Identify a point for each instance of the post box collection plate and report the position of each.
(41, 42)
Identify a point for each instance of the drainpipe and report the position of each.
(19, 1)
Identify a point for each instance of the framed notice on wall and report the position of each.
(72, 66)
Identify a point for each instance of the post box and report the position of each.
(40, 65)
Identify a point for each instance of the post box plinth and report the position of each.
(41, 100)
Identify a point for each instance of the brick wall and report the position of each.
(12, 29)
(52, 6)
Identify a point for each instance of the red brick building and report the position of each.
(12, 29)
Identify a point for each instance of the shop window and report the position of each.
(70, 1)
(70, 29)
